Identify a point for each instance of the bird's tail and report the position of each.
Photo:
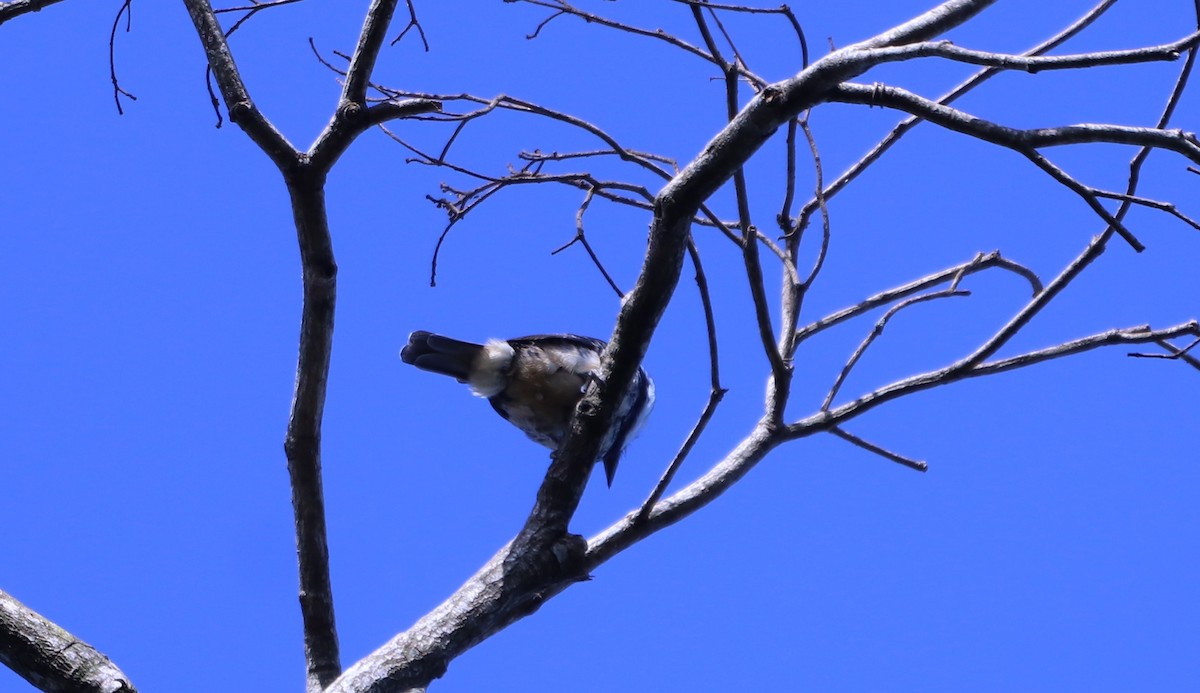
(438, 354)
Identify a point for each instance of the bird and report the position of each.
(535, 382)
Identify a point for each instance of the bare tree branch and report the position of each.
(118, 92)
(304, 174)
(374, 29)
(1035, 63)
(256, 7)
(544, 557)
(50, 658)
(237, 99)
(957, 371)
(927, 25)
(305, 184)
(962, 88)
(780, 371)
(979, 263)
(413, 23)
(581, 238)
(715, 394)
(1174, 353)
(16, 8)
(877, 330)
(1178, 141)
(918, 465)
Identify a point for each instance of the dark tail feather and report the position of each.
(643, 401)
(438, 354)
(610, 467)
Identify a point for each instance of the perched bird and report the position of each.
(535, 382)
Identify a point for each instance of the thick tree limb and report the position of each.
(233, 90)
(544, 558)
(52, 659)
(304, 173)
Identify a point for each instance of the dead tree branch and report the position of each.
(304, 174)
(496, 596)
(16, 8)
(50, 658)
(975, 80)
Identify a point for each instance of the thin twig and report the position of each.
(918, 465)
(413, 23)
(581, 238)
(715, 393)
(877, 330)
(781, 373)
(979, 263)
(126, 9)
(1140, 334)
(1175, 353)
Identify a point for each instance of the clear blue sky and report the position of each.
(152, 297)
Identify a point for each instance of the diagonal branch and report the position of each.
(867, 445)
(370, 40)
(715, 393)
(233, 90)
(16, 8)
(979, 263)
(928, 25)
(955, 372)
(1038, 63)
(1027, 142)
(1178, 141)
(50, 658)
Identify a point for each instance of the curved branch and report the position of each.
(1174, 353)
(16, 8)
(715, 393)
(1027, 142)
(302, 443)
(1141, 334)
(1035, 63)
(50, 658)
(1178, 141)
